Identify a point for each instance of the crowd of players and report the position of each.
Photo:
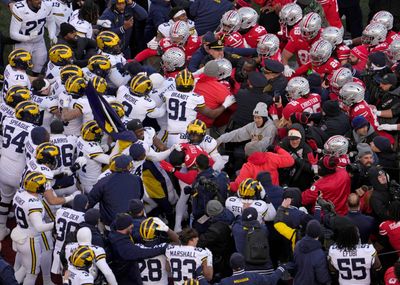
(240, 165)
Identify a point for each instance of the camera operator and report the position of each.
(208, 185)
(358, 170)
(384, 192)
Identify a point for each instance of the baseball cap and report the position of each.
(214, 208)
(389, 78)
(134, 125)
(294, 134)
(123, 221)
(135, 206)
(273, 65)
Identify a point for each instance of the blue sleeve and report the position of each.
(321, 270)
(159, 17)
(139, 13)
(242, 51)
(194, 7)
(7, 274)
(269, 279)
(96, 193)
(133, 252)
(195, 61)
(109, 15)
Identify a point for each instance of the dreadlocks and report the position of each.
(89, 12)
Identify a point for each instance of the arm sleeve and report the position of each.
(271, 279)
(139, 13)
(195, 60)
(51, 26)
(309, 197)
(117, 78)
(37, 222)
(106, 270)
(102, 158)
(15, 27)
(193, 8)
(219, 161)
(145, 54)
(241, 51)
(282, 158)
(158, 112)
(270, 213)
(158, 156)
(287, 232)
(95, 194)
(238, 135)
(136, 252)
(7, 276)
(187, 177)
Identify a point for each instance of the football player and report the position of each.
(335, 37)
(289, 16)
(98, 65)
(88, 145)
(268, 47)
(136, 101)
(300, 40)
(82, 19)
(338, 79)
(27, 28)
(249, 194)
(228, 30)
(16, 94)
(164, 28)
(81, 261)
(19, 61)
(184, 260)
(59, 56)
(58, 87)
(300, 98)
(374, 37)
(173, 61)
(249, 29)
(12, 161)
(183, 105)
(154, 269)
(386, 18)
(61, 10)
(76, 110)
(67, 222)
(109, 44)
(338, 146)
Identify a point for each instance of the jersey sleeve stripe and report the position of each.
(16, 17)
(100, 256)
(54, 108)
(76, 105)
(201, 105)
(94, 154)
(33, 255)
(45, 241)
(48, 211)
(34, 211)
(150, 110)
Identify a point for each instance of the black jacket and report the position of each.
(380, 197)
(334, 122)
(83, 49)
(390, 100)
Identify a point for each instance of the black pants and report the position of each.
(353, 20)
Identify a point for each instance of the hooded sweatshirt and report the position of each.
(380, 197)
(371, 134)
(335, 122)
(263, 161)
(310, 263)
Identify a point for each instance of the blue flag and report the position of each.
(106, 117)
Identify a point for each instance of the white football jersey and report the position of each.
(87, 74)
(353, 266)
(208, 144)
(184, 260)
(30, 149)
(47, 105)
(14, 77)
(67, 221)
(91, 171)
(32, 23)
(32, 165)
(79, 277)
(181, 109)
(57, 89)
(114, 59)
(158, 97)
(26, 204)
(164, 28)
(52, 71)
(73, 127)
(135, 107)
(153, 270)
(67, 145)
(15, 135)
(266, 212)
(84, 28)
(60, 11)
(6, 111)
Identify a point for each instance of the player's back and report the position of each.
(84, 28)
(47, 104)
(254, 34)
(235, 205)
(153, 270)
(67, 145)
(6, 111)
(184, 261)
(181, 109)
(67, 221)
(79, 277)
(311, 103)
(135, 107)
(52, 72)
(354, 266)
(60, 11)
(26, 204)
(14, 77)
(92, 169)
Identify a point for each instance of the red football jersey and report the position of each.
(253, 35)
(331, 11)
(381, 47)
(277, 56)
(234, 39)
(299, 46)
(392, 230)
(323, 70)
(341, 52)
(363, 109)
(390, 277)
(310, 104)
(391, 36)
(190, 47)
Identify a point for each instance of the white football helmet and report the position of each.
(340, 77)
(179, 33)
(393, 51)
(268, 45)
(310, 26)
(224, 68)
(351, 93)
(173, 58)
(336, 146)
(374, 34)
(297, 87)
(385, 18)
(290, 14)
(249, 17)
(230, 22)
(333, 35)
(320, 52)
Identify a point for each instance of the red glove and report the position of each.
(312, 144)
(167, 166)
(313, 160)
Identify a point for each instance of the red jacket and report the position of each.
(263, 161)
(214, 94)
(390, 277)
(334, 187)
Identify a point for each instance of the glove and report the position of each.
(81, 161)
(161, 226)
(153, 44)
(312, 144)
(288, 71)
(104, 23)
(387, 127)
(177, 147)
(120, 67)
(287, 266)
(313, 160)
(71, 197)
(229, 101)
(67, 171)
(348, 42)
(167, 166)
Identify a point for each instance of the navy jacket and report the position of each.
(125, 255)
(310, 263)
(158, 14)
(365, 224)
(207, 14)
(249, 278)
(6, 273)
(117, 22)
(113, 193)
